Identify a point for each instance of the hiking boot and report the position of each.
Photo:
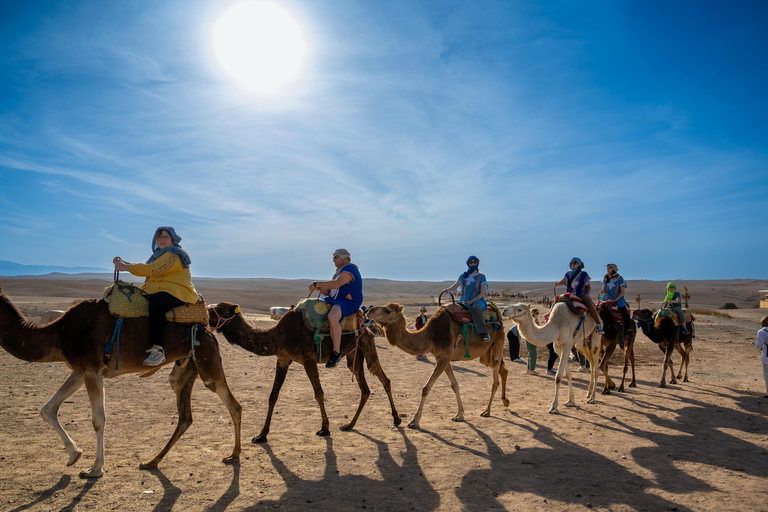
(333, 360)
(486, 337)
(685, 330)
(156, 356)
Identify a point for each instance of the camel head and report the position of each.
(516, 311)
(383, 315)
(219, 314)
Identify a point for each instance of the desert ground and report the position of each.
(697, 445)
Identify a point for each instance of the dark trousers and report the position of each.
(514, 345)
(478, 319)
(159, 304)
(552, 356)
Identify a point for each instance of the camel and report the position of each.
(78, 339)
(667, 336)
(290, 341)
(609, 341)
(565, 330)
(441, 336)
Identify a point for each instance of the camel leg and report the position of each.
(562, 369)
(94, 384)
(593, 356)
(682, 350)
(214, 379)
(181, 379)
(281, 370)
(632, 384)
(667, 363)
(50, 413)
(609, 384)
(455, 387)
(440, 367)
(365, 391)
(503, 372)
(487, 412)
(686, 360)
(374, 366)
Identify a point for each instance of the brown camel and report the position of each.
(78, 339)
(614, 331)
(290, 341)
(668, 337)
(441, 336)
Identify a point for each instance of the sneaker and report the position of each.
(583, 369)
(156, 356)
(486, 337)
(685, 330)
(551, 372)
(333, 360)
(517, 360)
(600, 329)
(422, 357)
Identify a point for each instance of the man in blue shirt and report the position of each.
(345, 292)
(473, 287)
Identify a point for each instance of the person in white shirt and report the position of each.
(762, 344)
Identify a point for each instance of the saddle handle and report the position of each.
(440, 297)
(116, 275)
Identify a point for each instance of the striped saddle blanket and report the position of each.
(128, 301)
(614, 309)
(315, 315)
(461, 314)
(574, 303)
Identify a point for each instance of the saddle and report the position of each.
(614, 308)
(462, 315)
(671, 313)
(314, 312)
(574, 303)
(128, 301)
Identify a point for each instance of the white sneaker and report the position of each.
(600, 329)
(583, 369)
(156, 357)
(518, 360)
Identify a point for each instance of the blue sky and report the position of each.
(417, 133)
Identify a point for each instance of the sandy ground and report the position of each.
(700, 445)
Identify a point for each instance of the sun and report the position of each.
(260, 45)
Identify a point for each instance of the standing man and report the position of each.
(473, 287)
(345, 293)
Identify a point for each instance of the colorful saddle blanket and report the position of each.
(315, 315)
(574, 303)
(671, 313)
(462, 315)
(128, 301)
(614, 309)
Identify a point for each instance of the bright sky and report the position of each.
(411, 133)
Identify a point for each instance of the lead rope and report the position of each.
(194, 341)
(358, 333)
(115, 337)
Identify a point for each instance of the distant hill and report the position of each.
(9, 268)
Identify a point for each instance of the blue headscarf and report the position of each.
(175, 248)
(471, 268)
(572, 272)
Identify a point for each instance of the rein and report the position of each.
(221, 321)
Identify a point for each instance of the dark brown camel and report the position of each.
(440, 337)
(614, 331)
(668, 337)
(290, 341)
(78, 339)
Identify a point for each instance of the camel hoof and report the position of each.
(398, 420)
(323, 432)
(232, 458)
(570, 404)
(611, 386)
(554, 411)
(592, 401)
(662, 385)
(606, 392)
(685, 379)
(505, 402)
(348, 426)
(457, 418)
(673, 382)
(261, 439)
(148, 465)
(74, 457)
(92, 473)
(621, 389)
(413, 424)
(633, 385)
(485, 414)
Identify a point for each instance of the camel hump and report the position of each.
(314, 312)
(670, 313)
(128, 301)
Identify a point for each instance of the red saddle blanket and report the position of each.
(575, 301)
(614, 309)
(461, 314)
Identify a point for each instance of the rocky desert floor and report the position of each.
(696, 445)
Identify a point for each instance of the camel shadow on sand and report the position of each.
(396, 486)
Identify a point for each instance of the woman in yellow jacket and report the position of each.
(168, 283)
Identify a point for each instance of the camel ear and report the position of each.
(400, 308)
